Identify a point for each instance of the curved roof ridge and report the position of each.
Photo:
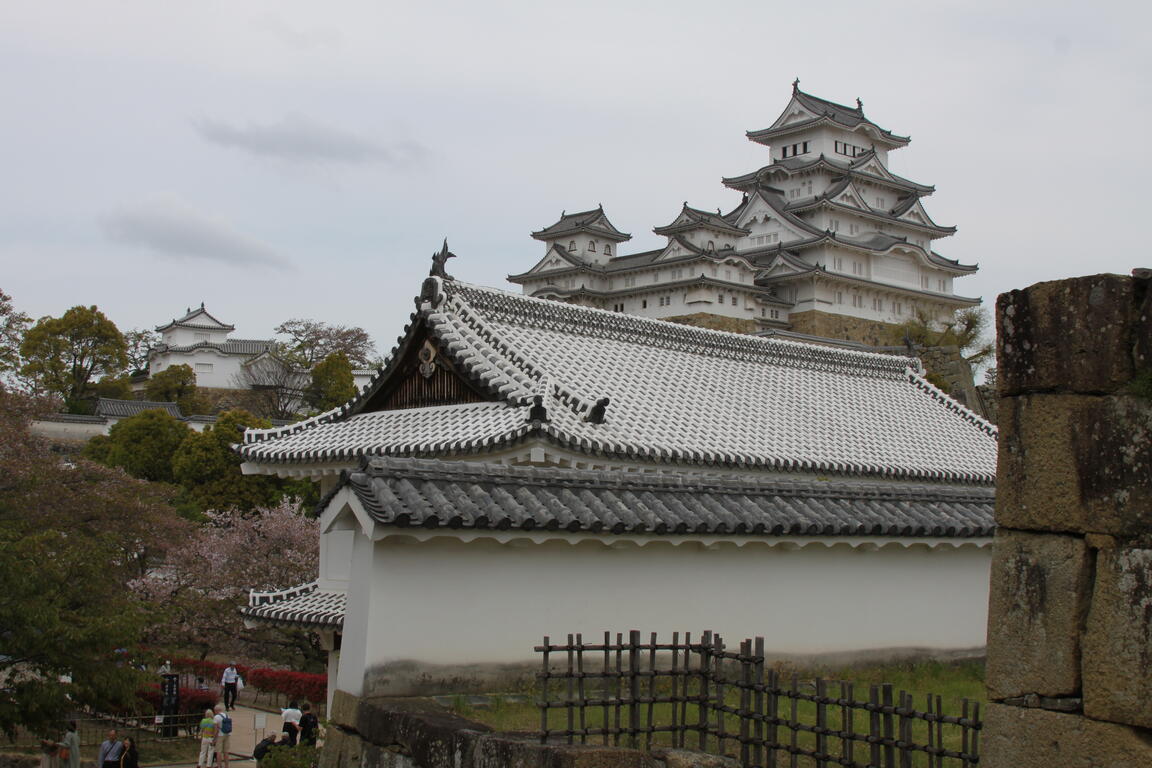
(955, 406)
(702, 341)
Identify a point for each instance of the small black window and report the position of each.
(644, 304)
(592, 247)
(607, 249)
(571, 246)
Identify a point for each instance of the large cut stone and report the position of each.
(1037, 600)
(1075, 463)
(1016, 737)
(1118, 642)
(1077, 335)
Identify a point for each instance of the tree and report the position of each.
(65, 354)
(113, 387)
(177, 384)
(12, 327)
(139, 341)
(143, 445)
(276, 383)
(332, 383)
(205, 582)
(310, 341)
(72, 537)
(966, 330)
(209, 470)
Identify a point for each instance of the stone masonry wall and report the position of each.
(416, 733)
(1070, 614)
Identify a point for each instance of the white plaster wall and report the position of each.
(446, 602)
(225, 368)
(69, 430)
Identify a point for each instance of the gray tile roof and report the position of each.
(306, 606)
(431, 494)
(848, 117)
(245, 347)
(593, 221)
(121, 409)
(677, 395)
(693, 218)
(197, 318)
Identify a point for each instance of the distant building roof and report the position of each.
(824, 110)
(122, 409)
(592, 222)
(197, 318)
(306, 606)
(629, 388)
(693, 218)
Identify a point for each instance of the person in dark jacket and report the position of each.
(266, 744)
(309, 725)
(129, 757)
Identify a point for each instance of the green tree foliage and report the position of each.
(310, 341)
(12, 327)
(177, 384)
(332, 383)
(209, 470)
(64, 355)
(143, 445)
(113, 387)
(73, 536)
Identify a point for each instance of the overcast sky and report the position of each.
(302, 159)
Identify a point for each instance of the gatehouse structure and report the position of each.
(524, 467)
(826, 241)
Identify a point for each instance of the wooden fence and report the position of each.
(636, 694)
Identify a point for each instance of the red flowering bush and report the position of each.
(299, 686)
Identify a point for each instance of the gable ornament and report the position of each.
(438, 262)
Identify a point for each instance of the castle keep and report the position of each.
(826, 241)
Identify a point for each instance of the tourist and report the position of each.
(292, 717)
(229, 681)
(110, 750)
(309, 725)
(129, 758)
(49, 753)
(223, 734)
(207, 739)
(69, 754)
(266, 744)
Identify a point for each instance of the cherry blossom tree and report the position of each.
(205, 582)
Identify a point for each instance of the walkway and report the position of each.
(249, 726)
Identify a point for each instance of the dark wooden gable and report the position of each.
(421, 378)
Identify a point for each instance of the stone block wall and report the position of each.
(1070, 614)
(416, 733)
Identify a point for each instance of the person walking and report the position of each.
(309, 725)
(229, 681)
(207, 739)
(223, 735)
(70, 747)
(110, 750)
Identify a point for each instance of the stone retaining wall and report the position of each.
(417, 733)
(1070, 613)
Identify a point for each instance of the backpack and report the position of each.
(225, 724)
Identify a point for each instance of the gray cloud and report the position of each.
(298, 139)
(177, 233)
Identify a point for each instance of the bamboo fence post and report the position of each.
(889, 727)
(651, 691)
(634, 688)
(874, 726)
(580, 687)
(604, 695)
(544, 695)
(570, 701)
(758, 699)
(705, 663)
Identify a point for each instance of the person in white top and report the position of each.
(292, 717)
(228, 681)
